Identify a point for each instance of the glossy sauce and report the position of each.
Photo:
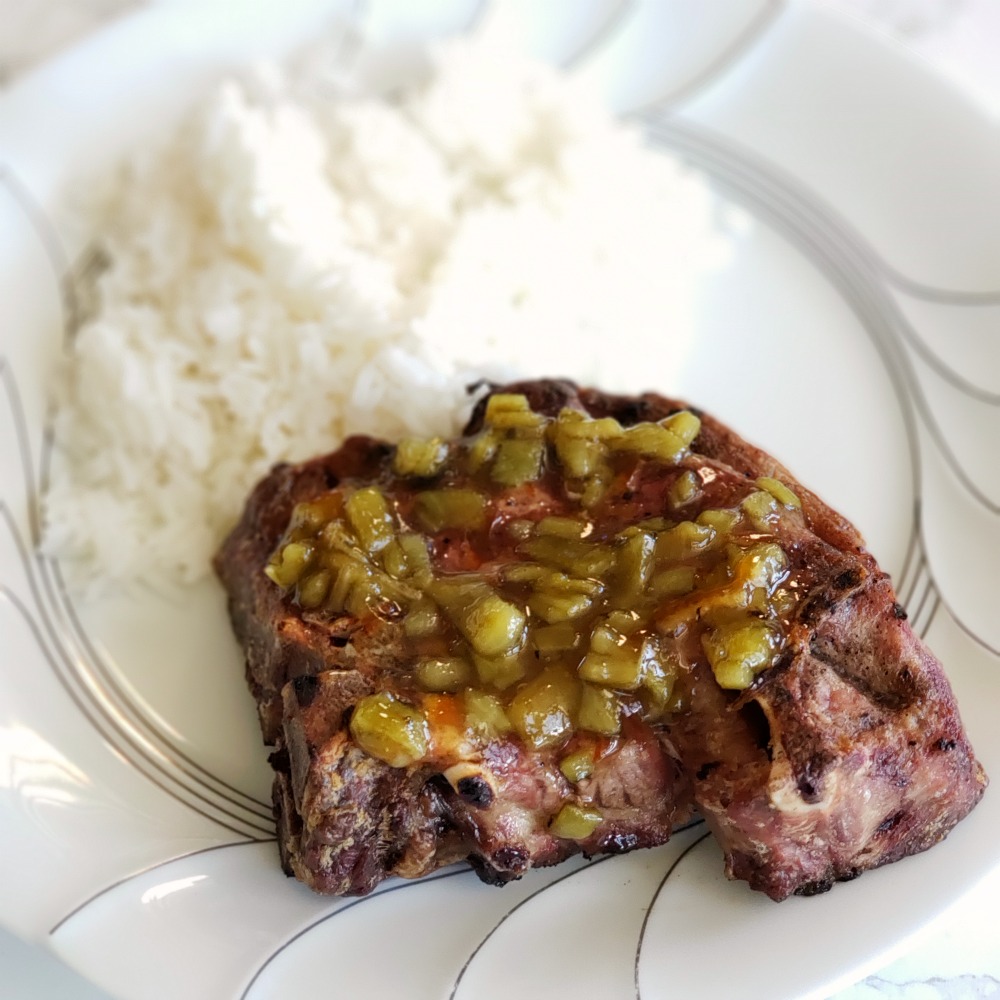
(552, 576)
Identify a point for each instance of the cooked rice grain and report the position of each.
(290, 268)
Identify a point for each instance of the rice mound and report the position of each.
(301, 261)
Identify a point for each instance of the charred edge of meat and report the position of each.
(475, 791)
(305, 687)
(505, 865)
(620, 843)
(756, 722)
(816, 887)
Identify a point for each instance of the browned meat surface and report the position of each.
(845, 752)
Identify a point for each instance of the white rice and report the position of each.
(301, 261)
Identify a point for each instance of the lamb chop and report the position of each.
(565, 632)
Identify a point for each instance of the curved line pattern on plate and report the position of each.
(938, 365)
(798, 215)
(615, 20)
(838, 250)
(397, 887)
(527, 899)
(732, 54)
(930, 293)
(953, 614)
(47, 641)
(850, 264)
(916, 579)
(104, 722)
(922, 598)
(691, 824)
(6, 594)
(704, 77)
(656, 895)
(46, 638)
(145, 871)
(81, 671)
(913, 548)
(239, 799)
(477, 16)
(52, 245)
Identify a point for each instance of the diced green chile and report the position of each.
(567, 637)
(390, 729)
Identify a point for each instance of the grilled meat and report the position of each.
(565, 632)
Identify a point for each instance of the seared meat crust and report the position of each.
(847, 754)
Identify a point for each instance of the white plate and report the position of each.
(852, 335)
